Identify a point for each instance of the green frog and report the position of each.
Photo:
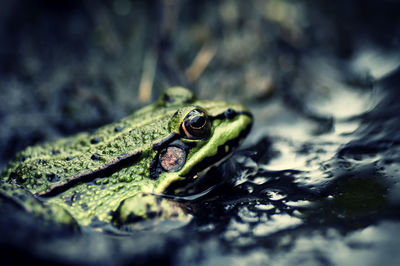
(131, 170)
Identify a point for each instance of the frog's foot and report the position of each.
(20, 199)
(147, 211)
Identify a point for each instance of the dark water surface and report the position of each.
(316, 182)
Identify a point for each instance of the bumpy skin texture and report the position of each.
(103, 177)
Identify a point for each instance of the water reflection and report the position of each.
(331, 183)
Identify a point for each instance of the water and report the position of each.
(328, 198)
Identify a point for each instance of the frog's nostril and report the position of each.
(230, 113)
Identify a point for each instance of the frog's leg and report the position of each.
(148, 208)
(17, 197)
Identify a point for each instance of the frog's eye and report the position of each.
(196, 125)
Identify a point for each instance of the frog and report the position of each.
(130, 171)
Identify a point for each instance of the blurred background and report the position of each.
(321, 78)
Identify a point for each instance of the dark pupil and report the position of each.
(197, 121)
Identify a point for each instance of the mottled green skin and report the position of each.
(125, 192)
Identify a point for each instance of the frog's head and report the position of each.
(203, 134)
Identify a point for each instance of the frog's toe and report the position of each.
(146, 210)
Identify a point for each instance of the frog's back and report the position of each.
(38, 168)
